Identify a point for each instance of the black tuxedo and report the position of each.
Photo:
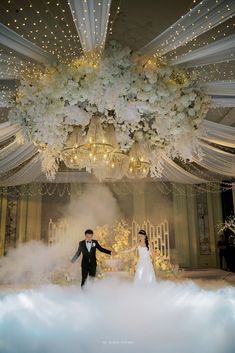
(88, 258)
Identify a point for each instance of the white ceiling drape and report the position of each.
(194, 23)
(217, 133)
(91, 21)
(7, 131)
(17, 157)
(216, 52)
(26, 174)
(216, 160)
(171, 172)
(6, 151)
(16, 42)
(220, 88)
(174, 173)
(223, 101)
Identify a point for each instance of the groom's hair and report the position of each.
(89, 231)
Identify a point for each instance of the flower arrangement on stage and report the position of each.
(229, 224)
(116, 238)
(164, 267)
(144, 99)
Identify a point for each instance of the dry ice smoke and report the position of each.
(96, 206)
(115, 316)
(35, 262)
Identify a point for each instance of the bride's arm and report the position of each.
(129, 250)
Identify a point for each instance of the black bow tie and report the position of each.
(88, 241)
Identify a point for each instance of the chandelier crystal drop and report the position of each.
(139, 166)
(96, 147)
(92, 151)
(115, 167)
(98, 152)
(73, 156)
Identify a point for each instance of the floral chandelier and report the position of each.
(89, 151)
(99, 152)
(101, 115)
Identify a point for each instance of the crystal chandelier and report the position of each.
(90, 151)
(99, 152)
(138, 163)
(96, 146)
(117, 165)
(72, 155)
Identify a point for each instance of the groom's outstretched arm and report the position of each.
(100, 248)
(78, 253)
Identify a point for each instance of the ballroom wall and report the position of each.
(193, 217)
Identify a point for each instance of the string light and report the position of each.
(123, 188)
(111, 21)
(61, 39)
(38, 21)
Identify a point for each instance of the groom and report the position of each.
(88, 248)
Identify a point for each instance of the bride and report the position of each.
(144, 273)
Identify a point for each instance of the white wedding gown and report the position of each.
(144, 269)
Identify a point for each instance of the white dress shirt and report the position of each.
(88, 245)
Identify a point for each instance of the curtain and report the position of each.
(7, 130)
(174, 173)
(91, 21)
(216, 52)
(15, 41)
(194, 23)
(6, 151)
(216, 160)
(17, 157)
(220, 88)
(223, 101)
(26, 174)
(218, 133)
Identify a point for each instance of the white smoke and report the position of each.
(95, 207)
(35, 262)
(115, 316)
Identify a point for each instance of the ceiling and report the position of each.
(49, 24)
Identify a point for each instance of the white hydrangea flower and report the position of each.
(157, 104)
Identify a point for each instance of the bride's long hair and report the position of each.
(142, 232)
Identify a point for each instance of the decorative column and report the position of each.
(192, 226)
(216, 218)
(34, 209)
(180, 210)
(22, 216)
(210, 215)
(3, 215)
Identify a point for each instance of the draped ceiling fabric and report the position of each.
(223, 101)
(21, 164)
(21, 45)
(219, 51)
(221, 88)
(17, 157)
(6, 151)
(217, 160)
(7, 131)
(28, 173)
(190, 26)
(217, 133)
(91, 21)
